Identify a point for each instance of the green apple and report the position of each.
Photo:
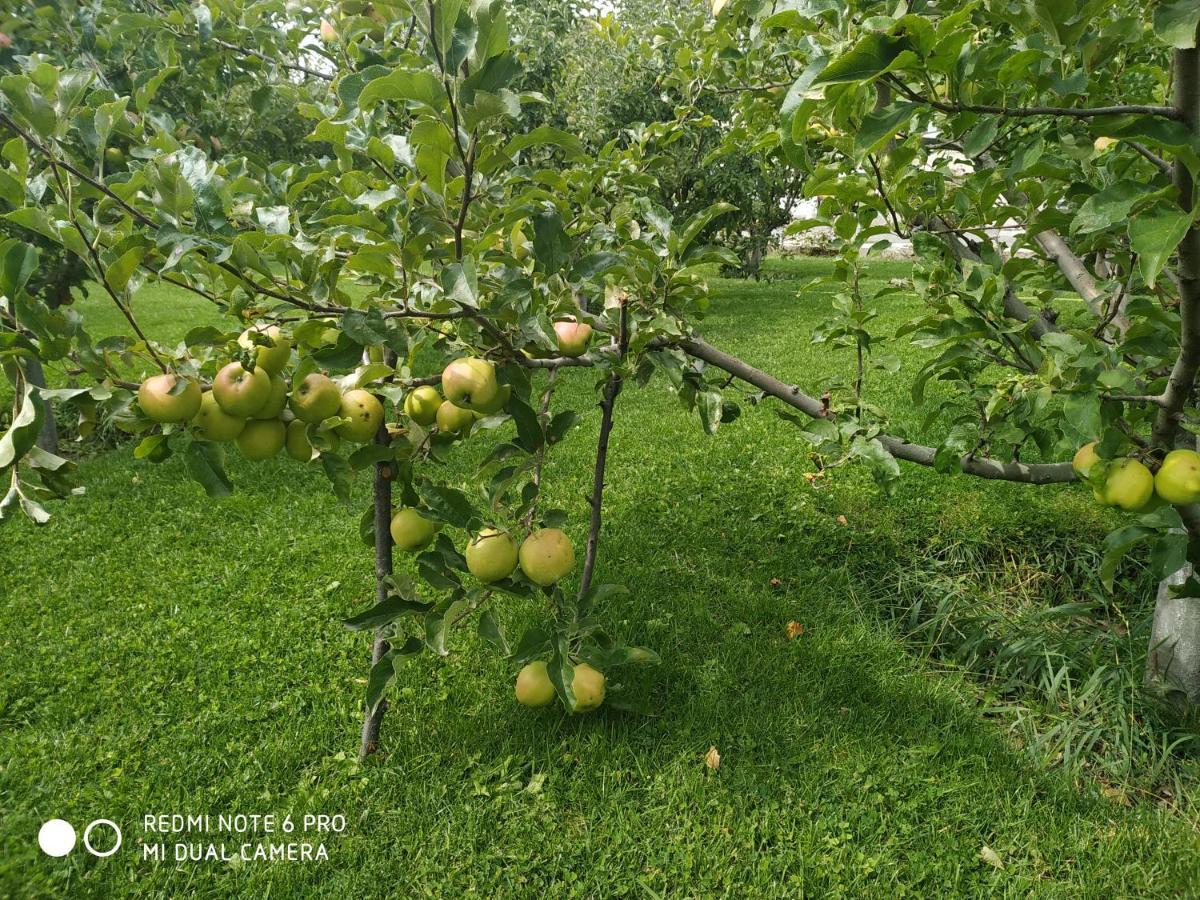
(587, 685)
(411, 530)
(212, 423)
(1178, 479)
(270, 358)
(573, 337)
(262, 438)
(546, 556)
(534, 687)
(470, 383)
(1129, 485)
(365, 413)
(316, 398)
(421, 405)
(276, 400)
(454, 419)
(114, 156)
(491, 555)
(169, 398)
(497, 404)
(239, 392)
(1085, 457)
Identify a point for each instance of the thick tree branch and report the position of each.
(1027, 473)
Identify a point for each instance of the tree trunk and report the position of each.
(1173, 663)
(48, 438)
(383, 568)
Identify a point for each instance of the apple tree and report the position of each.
(423, 269)
(1041, 158)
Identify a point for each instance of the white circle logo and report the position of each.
(87, 834)
(56, 837)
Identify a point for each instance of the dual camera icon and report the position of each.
(57, 837)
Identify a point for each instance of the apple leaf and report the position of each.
(386, 612)
(869, 57)
(551, 245)
(1154, 235)
(205, 463)
(384, 671)
(339, 473)
(533, 644)
(1175, 23)
(492, 631)
(1108, 207)
(562, 673)
(446, 504)
(23, 432)
(529, 427)
(420, 86)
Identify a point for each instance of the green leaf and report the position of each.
(529, 427)
(1154, 235)
(1175, 23)
(447, 504)
(1117, 544)
(880, 127)
(386, 612)
(18, 261)
(868, 58)
(119, 272)
(383, 673)
(1108, 207)
(340, 475)
(23, 432)
(492, 631)
(551, 245)
(205, 463)
(404, 84)
(699, 222)
(708, 403)
(542, 136)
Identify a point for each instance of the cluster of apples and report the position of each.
(253, 408)
(1130, 485)
(545, 557)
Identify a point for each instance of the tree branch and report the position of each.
(611, 390)
(1076, 112)
(1027, 473)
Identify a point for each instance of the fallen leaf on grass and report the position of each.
(991, 857)
(841, 520)
(712, 758)
(794, 630)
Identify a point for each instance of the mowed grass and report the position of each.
(163, 653)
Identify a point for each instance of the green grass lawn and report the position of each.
(164, 653)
